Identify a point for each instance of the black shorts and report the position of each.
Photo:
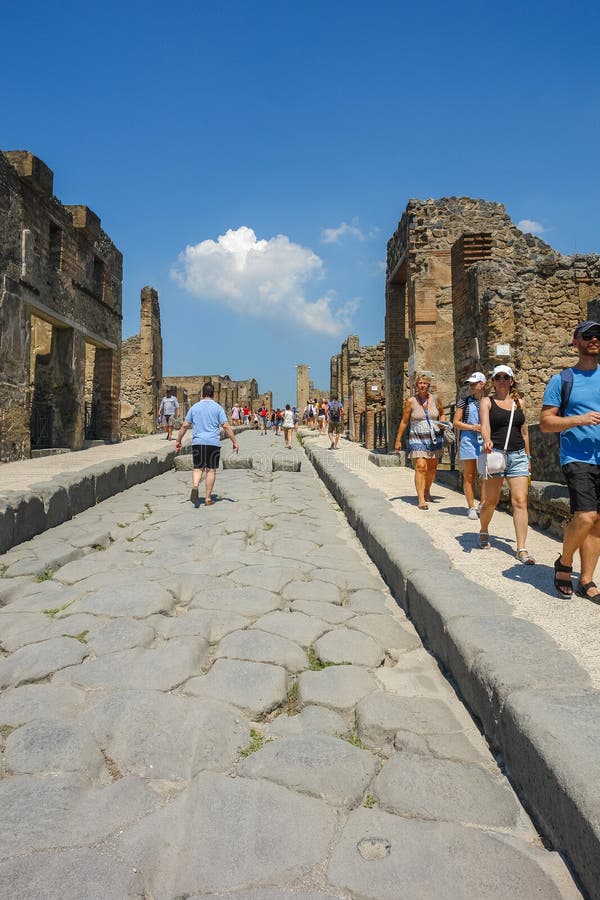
(206, 456)
(583, 482)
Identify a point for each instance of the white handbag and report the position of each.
(495, 462)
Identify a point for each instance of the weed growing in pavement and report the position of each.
(81, 637)
(257, 742)
(369, 801)
(315, 664)
(268, 525)
(6, 730)
(46, 575)
(51, 613)
(354, 739)
(293, 707)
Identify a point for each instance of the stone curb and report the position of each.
(23, 514)
(533, 700)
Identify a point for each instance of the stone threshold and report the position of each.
(534, 703)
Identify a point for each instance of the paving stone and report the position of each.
(90, 537)
(40, 701)
(468, 748)
(31, 597)
(33, 628)
(273, 579)
(338, 687)
(326, 767)
(293, 548)
(380, 715)
(37, 661)
(368, 601)
(377, 852)
(321, 591)
(92, 564)
(185, 587)
(387, 631)
(262, 647)
(36, 566)
(349, 581)
(119, 634)
(328, 612)
(139, 600)
(45, 813)
(416, 786)
(50, 747)
(257, 688)
(160, 669)
(211, 624)
(296, 626)
(275, 894)
(48, 875)
(344, 645)
(246, 601)
(338, 555)
(213, 824)
(312, 720)
(166, 736)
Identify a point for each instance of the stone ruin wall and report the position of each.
(463, 279)
(57, 265)
(188, 390)
(141, 378)
(358, 379)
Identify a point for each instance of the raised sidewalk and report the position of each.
(535, 702)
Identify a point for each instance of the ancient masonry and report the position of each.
(188, 390)
(358, 379)
(466, 289)
(141, 370)
(60, 316)
(302, 387)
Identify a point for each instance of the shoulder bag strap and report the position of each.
(510, 421)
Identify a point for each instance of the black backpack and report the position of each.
(334, 410)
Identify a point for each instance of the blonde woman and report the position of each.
(425, 440)
(467, 424)
(495, 413)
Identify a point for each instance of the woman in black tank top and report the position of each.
(495, 414)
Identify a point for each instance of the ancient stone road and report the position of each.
(227, 701)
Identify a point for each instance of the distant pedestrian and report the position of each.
(503, 427)
(246, 415)
(425, 440)
(571, 407)
(263, 414)
(322, 416)
(168, 409)
(335, 415)
(236, 414)
(288, 426)
(467, 424)
(206, 418)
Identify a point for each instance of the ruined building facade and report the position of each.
(357, 377)
(188, 390)
(60, 316)
(466, 290)
(141, 370)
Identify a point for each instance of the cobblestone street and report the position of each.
(227, 701)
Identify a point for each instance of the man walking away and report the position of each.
(168, 409)
(571, 407)
(335, 412)
(205, 418)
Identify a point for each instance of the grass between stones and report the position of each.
(51, 613)
(315, 664)
(46, 575)
(369, 802)
(257, 742)
(354, 739)
(81, 637)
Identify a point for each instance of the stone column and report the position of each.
(106, 390)
(15, 411)
(68, 363)
(396, 355)
(151, 358)
(301, 387)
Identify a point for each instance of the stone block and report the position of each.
(183, 463)
(285, 464)
(30, 517)
(56, 502)
(85, 220)
(7, 526)
(388, 459)
(109, 479)
(236, 462)
(80, 488)
(135, 472)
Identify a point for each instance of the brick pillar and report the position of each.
(106, 389)
(68, 363)
(301, 387)
(370, 428)
(15, 400)
(396, 354)
(151, 358)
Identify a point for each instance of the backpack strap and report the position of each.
(566, 386)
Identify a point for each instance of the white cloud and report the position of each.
(263, 279)
(531, 227)
(334, 235)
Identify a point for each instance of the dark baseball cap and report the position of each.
(585, 326)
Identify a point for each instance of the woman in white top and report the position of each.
(288, 426)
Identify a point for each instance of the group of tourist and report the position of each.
(493, 439)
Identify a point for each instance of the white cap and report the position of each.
(506, 369)
(475, 377)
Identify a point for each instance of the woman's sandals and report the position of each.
(563, 585)
(525, 557)
(582, 591)
(484, 540)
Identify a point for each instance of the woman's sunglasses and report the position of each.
(501, 378)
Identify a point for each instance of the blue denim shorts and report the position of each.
(517, 465)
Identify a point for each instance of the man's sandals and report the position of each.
(563, 585)
(582, 591)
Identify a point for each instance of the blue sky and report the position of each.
(252, 160)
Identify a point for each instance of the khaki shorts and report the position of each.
(336, 427)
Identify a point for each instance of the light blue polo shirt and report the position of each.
(206, 417)
(580, 444)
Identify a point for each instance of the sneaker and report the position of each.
(194, 496)
(472, 513)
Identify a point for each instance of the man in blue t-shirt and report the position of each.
(579, 430)
(206, 418)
